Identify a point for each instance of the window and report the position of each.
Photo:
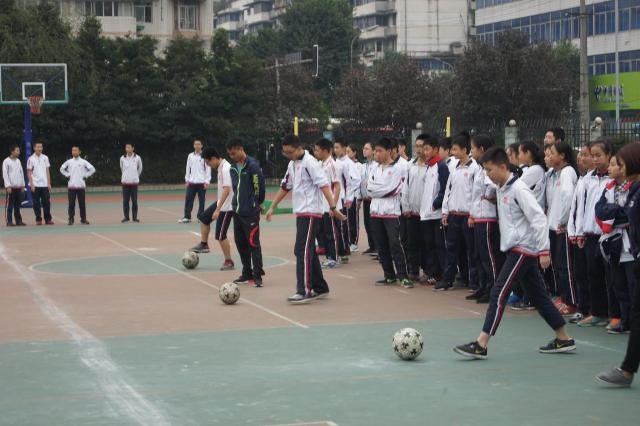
(187, 16)
(142, 11)
(101, 8)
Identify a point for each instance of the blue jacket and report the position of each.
(248, 187)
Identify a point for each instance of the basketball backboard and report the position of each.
(20, 81)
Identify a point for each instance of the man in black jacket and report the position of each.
(249, 192)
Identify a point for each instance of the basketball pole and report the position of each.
(28, 150)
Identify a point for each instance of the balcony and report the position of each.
(373, 8)
(118, 25)
(258, 17)
(377, 32)
(231, 25)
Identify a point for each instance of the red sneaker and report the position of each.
(557, 302)
(50, 222)
(228, 265)
(39, 222)
(320, 251)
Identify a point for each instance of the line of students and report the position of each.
(76, 170)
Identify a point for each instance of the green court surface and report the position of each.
(129, 265)
(345, 374)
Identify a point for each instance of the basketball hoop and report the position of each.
(35, 102)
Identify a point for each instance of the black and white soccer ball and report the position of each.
(408, 343)
(229, 293)
(190, 259)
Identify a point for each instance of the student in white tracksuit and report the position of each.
(484, 220)
(411, 201)
(524, 238)
(13, 177)
(197, 179)
(306, 179)
(456, 208)
(354, 211)
(77, 170)
(385, 189)
(131, 168)
(350, 178)
(330, 228)
(561, 183)
(603, 303)
(433, 189)
(366, 170)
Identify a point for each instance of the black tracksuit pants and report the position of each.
(386, 232)
(308, 270)
(246, 233)
(42, 201)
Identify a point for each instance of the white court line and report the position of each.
(467, 310)
(164, 211)
(349, 277)
(401, 291)
(310, 424)
(595, 345)
(197, 234)
(200, 280)
(119, 391)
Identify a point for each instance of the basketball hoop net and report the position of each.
(35, 102)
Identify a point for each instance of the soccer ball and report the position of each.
(229, 293)
(190, 259)
(407, 343)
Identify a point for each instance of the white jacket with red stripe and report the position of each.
(457, 197)
(385, 189)
(523, 225)
(483, 198)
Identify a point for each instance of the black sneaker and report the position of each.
(475, 295)
(21, 224)
(10, 224)
(442, 286)
(387, 281)
(322, 295)
(243, 279)
(368, 251)
(471, 350)
(84, 222)
(136, 220)
(484, 298)
(126, 219)
(299, 299)
(557, 346)
(200, 248)
(70, 222)
(256, 282)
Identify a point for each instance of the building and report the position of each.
(163, 20)
(240, 17)
(433, 31)
(559, 20)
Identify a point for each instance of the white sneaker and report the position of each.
(353, 247)
(330, 264)
(184, 220)
(299, 299)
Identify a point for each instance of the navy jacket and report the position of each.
(248, 188)
(632, 208)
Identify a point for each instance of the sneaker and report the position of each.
(228, 265)
(407, 283)
(576, 318)
(256, 282)
(557, 301)
(299, 299)
(442, 286)
(475, 295)
(518, 306)
(513, 299)
(136, 220)
(353, 248)
(614, 378)
(323, 295)
(49, 222)
(21, 224)
(373, 254)
(567, 310)
(557, 346)
(618, 330)
(344, 260)
(200, 248)
(471, 350)
(126, 219)
(243, 279)
(10, 224)
(320, 251)
(593, 321)
(369, 251)
(528, 306)
(70, 222)
(85, 222)
(329, 263)
(38, 222)
(184, 220)
(614, 323)
(484, 298)
(387, 281)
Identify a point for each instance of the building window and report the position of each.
(142, 11)
(187, 16)
(101, 8)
